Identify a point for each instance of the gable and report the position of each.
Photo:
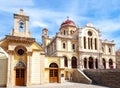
(4, 44)
(36, 46)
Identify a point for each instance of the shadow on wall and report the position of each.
(105, 77)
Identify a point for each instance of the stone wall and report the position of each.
(108, 77)
(3, 71)
(80, 77)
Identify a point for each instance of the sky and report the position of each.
(103, 14)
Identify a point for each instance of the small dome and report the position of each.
(68, 22)
(90, 25)
(45, 29)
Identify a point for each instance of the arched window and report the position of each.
(53, 65)
(64, 32)
(91, 43)
(91, 65)
(64, 45)
(73, 46)
(74, 62)
(102, 49)
(96, 63)
(111, 63)
(85, 63)
(20, 64)
(21, 26)
(104, 63)
(109, 50)
(65, 61)
(95, 44)
(84, 42)
(88, 43)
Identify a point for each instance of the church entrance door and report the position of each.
(53, 73)
(20, 76)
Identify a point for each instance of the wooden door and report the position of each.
(53, 75)
(20, 76)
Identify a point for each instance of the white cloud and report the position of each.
(38, 24)
(79, 11)
(17, 3)
(14, 5)
(108, 25)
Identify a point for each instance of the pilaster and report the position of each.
(10, 74)
(29, 61)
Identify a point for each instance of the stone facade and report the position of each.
(81, 47)
(26, 63)
(118, 58)
(29, 63)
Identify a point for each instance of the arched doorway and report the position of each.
(104, 63)
(96, 63)
(53, 73)
(91, 65)
(74, 62)
(111, 63)
(85, 63)
(20, 74)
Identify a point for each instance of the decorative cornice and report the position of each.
(29, 53)
(22, 17)
(19, 39)
(10, 52)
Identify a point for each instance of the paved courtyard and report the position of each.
(64, 85)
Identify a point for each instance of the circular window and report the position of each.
(89, 33)
(20, 52)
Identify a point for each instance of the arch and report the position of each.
(64, 45)
(53, 65)
(84, 42)
(85, 62)
(96, 63)
(109, 50)
(111, 63)
(73, 46)
(88, 43)
(91, 65)
(21, 26)
(53, 72)
(20, 64)
(74, 62)
(65, 61)
(104, 63)
(20, 73)
(95, 43)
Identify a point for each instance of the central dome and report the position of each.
(68, 22)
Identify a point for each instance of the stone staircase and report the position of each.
(105, 77)
(80, 77)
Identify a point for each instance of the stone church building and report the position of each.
(23, 61)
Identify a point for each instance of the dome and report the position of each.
(68, 22)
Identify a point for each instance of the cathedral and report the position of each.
(24, 62)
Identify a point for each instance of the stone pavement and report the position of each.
(63, 85)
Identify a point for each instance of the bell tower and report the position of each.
(21, 25)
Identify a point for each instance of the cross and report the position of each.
(67, 17)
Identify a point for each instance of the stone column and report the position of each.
(69, 63)
(10, 74)
(87, 63)
(29, 61)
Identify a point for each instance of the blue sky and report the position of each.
(103, 14)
